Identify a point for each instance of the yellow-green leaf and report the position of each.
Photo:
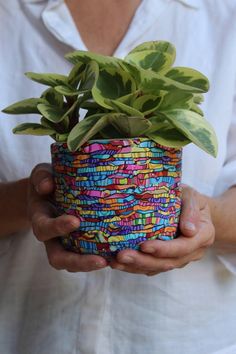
(85, 130)
(30, 105)
(130, 126)
(195, 128)
(53, 113)
(112, 84)
(48, 79)
(32, 129)
(190, 77)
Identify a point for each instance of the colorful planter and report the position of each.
(123, 191)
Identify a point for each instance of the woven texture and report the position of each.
(123, 191)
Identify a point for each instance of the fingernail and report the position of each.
(127, 260)
(99, 265)
(41, 184)
(189, 226)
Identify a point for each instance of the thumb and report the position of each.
(190, 212)
(41, 179)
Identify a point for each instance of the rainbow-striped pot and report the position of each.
(124, 191)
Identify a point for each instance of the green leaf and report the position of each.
(151, 82)
(123, 108)
(147, 103)
(160, 46)
(53, 97)
(32, 129)
(153, 55)
(74, 76)
(164, 133)
(85, 130)
(86, 56)
(89, 76)
(24, 107)
(196, 109)
(176, 99)
(47, 123)
(67, 90)
(130, 98)
(62, 138)
(129, 126)
(53, 113)
(190, 77)
(110, 132)
(151, 60)
(48, 79)
(195, 128)
(112, 84)
(198, 98)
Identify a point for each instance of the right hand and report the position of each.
(48, 226)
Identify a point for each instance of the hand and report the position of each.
(196, 234)
(47, 225)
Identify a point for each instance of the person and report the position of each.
(59, 302)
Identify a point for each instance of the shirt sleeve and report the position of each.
(226, 180)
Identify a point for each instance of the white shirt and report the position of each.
(185, 311)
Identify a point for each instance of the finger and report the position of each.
(72, 262)
(41, 179)
(46, 227)
(190, 213)
(139, 263)
(144, 264)
(176, 248)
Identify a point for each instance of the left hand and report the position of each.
(196, 234)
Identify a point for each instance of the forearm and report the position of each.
(13, 207)
(223, 212)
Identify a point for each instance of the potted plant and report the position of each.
(119, 168)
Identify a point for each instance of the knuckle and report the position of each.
(37, 230)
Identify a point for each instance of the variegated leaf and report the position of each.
(130, 126)
(53, 113)
(62, 138)
(89, 76)
(85, 130)
(32, 129)
(194, 107)
(151, 60)
(160, 46)
(176, 99)
(48, 79)
(123, 108)
(25, 106)
(112, 84)
(130, 98)
(198, 98)
(53, 97)
(74, 76)
(164, 133)
(196, 129)
(67, 90)
(190, 77)
(85, 57)
(147, 103)
(151, 82)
